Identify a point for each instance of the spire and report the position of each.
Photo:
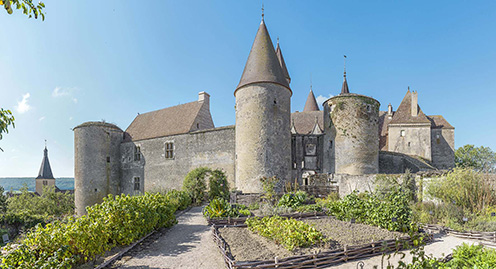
(311, 103)
(344, 88)
(45, 169)
(281, 61)
(262, 64)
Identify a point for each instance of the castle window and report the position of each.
(45, 183)
(197, 126)
(408, 143)
(369, 108)
(108, 159)
(402, 133)
(331, 144)
(438, 140)
(136, 182)
(137, 153)
(294, 165)
(169, 150)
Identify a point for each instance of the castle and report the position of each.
(350, 136)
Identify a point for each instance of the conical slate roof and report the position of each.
(282, 62)
(262, 64)
(311, 104)
(344, 88)
(45, 169)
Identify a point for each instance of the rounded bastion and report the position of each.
(352, 130)
(96, 163)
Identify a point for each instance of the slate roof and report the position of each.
(282, 62)
(304, 122)
(404, 112)
(45, 169)
(311, 103)
(344, 88)
(262, 64)
(168, 121)
(439, 122)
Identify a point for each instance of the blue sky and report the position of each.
(112, 60)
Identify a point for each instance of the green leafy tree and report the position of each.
(51, 203)
(481, 159)
(3, 201)
(28, 7)
(6, 119)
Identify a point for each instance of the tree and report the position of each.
(27, 6)
(481, 159)
(6, 119)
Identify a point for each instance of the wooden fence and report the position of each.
(318, 260)
(489, 238)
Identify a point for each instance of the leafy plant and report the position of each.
(220, 208)
(293, 199)
(290, 233)
(50, 203)
(28, 7)
(218, 185)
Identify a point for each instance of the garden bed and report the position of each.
(241, 220)
(244, 249)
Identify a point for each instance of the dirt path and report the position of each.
(188, 244)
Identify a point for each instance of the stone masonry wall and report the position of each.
(416, 140)
(443, 148)
(212, 148)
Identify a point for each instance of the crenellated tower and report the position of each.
(263, 109)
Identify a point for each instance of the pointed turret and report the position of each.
(281, 61)
(263, 64)
(311, 103)
(45, 177)
(45, 169)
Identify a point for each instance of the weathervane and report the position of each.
(262, 11)
(344, 65)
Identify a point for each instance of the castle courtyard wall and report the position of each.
(212, 148)
(410, 139)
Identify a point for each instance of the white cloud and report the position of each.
(42, 118)
(60, 92)
(321, 99)
(23, 105)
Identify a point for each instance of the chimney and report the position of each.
(204, 97)
(390, 110)
(414, 95)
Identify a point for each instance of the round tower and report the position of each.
(263, 110)
(96, 163)
(351, 123)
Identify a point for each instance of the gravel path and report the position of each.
(188, 244)
(439, 248)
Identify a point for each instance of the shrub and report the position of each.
(179, 199)
(384, 184)
(309, 208)
(293, 199)
(118, 220)
(290, 233)
(332, 197)
(465, 188)
(194, 184)
(391, 212)
(218, 185)
(51, 203)
(220, 208)
(268, 186)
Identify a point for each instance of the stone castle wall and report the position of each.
(212, 148)
(410, 139)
